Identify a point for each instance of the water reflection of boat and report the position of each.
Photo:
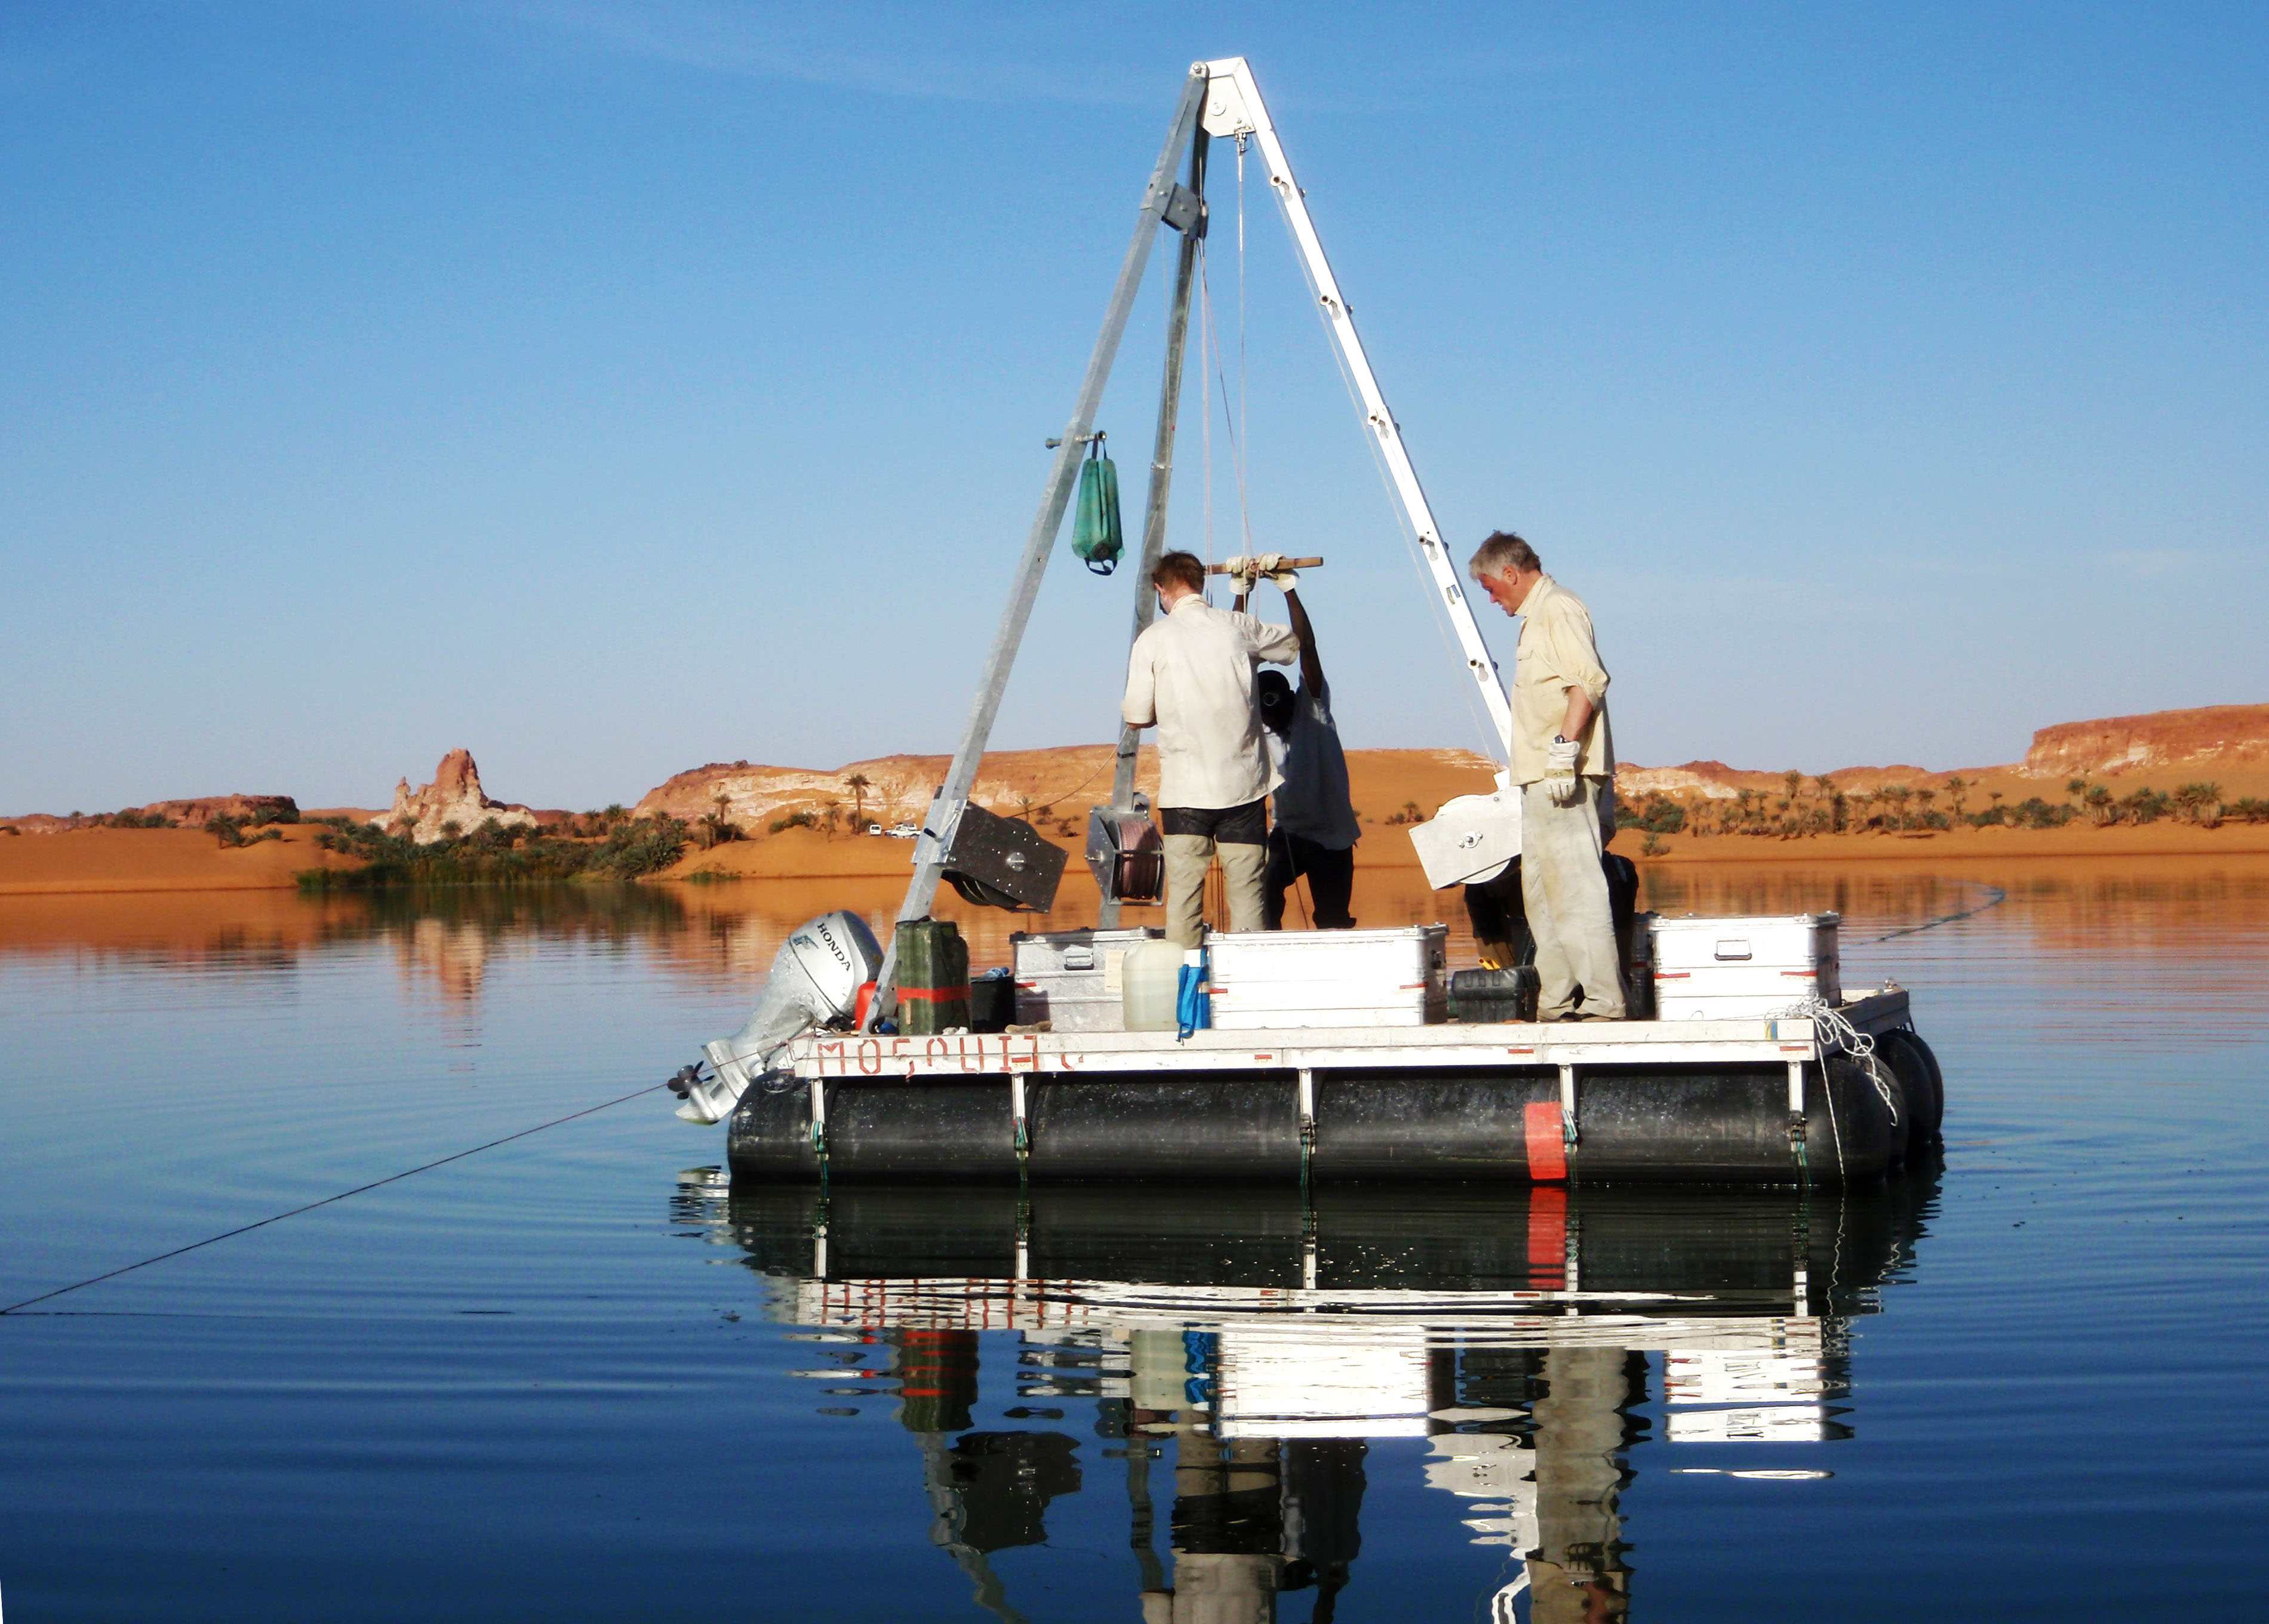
(1269, 1340)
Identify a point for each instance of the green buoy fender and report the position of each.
(1096, 536)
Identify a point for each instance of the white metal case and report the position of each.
(1739, 969)
(1070, 977)
(1329, 977)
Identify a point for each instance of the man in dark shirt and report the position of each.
(1316, 826)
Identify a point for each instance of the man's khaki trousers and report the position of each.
(1195, 834)
(1565, 891)
(1189, 857)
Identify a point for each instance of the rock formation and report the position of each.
(192, 814)
(1713, 780)
(896, 788)
(452, 804)
(2218, 736)
(1066, 780)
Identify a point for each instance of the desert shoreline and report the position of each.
(2170, 784)
(124, 861)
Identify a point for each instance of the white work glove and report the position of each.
(1271, 566)
(1560, 771)
(1242, 573)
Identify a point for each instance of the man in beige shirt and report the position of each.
(1191, 676)
(1564, 761)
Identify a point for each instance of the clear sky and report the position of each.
(611, 388)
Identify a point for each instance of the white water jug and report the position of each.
(1148, 977)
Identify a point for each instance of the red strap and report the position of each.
(933, 994)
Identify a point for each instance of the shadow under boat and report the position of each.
(1266, 1342)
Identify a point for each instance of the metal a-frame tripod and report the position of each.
(1219, 99)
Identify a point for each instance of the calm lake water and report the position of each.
(577, 1376)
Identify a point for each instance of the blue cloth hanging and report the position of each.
(1193, 998)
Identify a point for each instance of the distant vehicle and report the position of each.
(905, 831)
(874, 828)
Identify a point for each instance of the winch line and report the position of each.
(1998, 897)
(391, 1178)
(1212, 341)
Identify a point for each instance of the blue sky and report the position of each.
(610, 387)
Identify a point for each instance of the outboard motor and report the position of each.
(815, 982)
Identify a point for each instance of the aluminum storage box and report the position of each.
(1742, 969)
(1329, 977)
(1070, 977)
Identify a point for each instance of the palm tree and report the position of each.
(2193, 800)
(717, 828)
(859, 784)
(1957, 791)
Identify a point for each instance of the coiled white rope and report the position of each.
(1829, 1025)
(1831, 1031)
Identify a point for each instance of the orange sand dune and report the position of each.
(155, 859)
(2225, 745)
(1389, 783)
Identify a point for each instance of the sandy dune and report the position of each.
(155, 859)
(2228, 745)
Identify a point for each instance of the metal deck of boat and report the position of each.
(1789, 1041)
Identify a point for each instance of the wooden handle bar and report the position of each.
(1288, 564)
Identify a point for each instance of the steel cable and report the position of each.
(262, 1224)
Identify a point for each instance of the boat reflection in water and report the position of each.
(1269, 1340)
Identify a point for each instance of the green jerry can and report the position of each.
(933, 977)
(1096, 536)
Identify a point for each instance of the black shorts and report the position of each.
(1244, 825)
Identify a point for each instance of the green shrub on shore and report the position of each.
(2031, 813)
(492, 855)
(1658, 815)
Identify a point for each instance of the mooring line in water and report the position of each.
(310, 1206)
(1998, 897)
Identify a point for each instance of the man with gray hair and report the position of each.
(1563, 763)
